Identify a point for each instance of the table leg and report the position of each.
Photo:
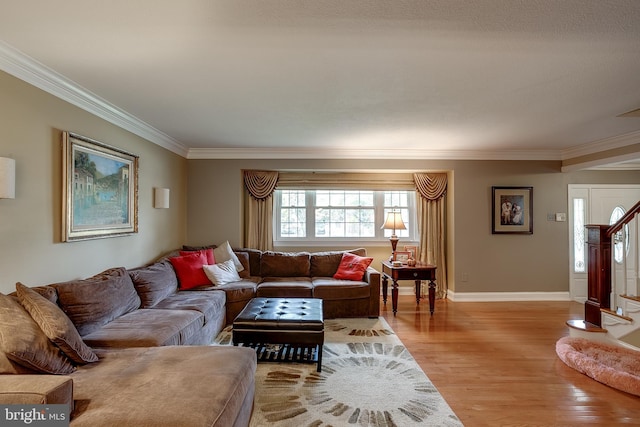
(432, 296)
(394, 296)
(418, 290)
(385, 284)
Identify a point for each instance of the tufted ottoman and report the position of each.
(282, 329)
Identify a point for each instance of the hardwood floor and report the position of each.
(496, 365)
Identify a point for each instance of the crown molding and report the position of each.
(25, 68)
(604, 144)
(355, 154)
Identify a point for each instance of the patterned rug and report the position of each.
(368, 378)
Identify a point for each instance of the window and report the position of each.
(621, 237)
(333, 215)
(579, 241)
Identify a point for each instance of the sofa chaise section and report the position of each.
(166, 386)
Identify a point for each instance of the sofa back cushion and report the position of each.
(154, 282)
(254, 260)
(94, 302)
(285, 264)
(325, 264)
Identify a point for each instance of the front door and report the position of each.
(596, 204)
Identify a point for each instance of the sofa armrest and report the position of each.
(372, 277)
(36, 390)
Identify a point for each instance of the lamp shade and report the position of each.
(394, 222)
(7, 178)
(161, 198)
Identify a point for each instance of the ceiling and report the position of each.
(521, 79)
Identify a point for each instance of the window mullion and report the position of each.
(310, 201)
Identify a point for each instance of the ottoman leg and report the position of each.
(319, 369)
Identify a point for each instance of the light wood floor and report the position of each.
(495, 364)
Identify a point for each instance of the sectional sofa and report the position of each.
(132, 347)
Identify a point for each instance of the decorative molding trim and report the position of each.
(33, 72)
(605, 144)
(396, 153)
(623, 162)
(37, 74)
(507, 296)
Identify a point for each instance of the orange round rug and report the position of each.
(615, 366)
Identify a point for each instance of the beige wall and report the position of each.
(492, 263)
(30, 237)
(31, 250)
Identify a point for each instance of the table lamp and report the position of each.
(394, 222)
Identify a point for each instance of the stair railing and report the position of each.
(616, 232)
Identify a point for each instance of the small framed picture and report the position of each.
(402, 256)
(512, 210)
(413, 250)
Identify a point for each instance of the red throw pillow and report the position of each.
(189, 270)
(208, 252)
(352, 267)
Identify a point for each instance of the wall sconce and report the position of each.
(161, 198)
(7, 178)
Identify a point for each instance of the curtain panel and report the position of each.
(258, 212)
(431, 201)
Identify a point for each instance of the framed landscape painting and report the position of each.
(512, 210)
(100, 190)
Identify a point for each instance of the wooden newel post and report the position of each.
(599, 273)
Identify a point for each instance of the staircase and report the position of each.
(612, 309)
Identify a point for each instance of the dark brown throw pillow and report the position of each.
(55, 325)
(24, 343)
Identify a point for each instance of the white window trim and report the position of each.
(378, 241)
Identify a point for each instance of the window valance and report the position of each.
(431, 186)
(260, 184)
(346, 181)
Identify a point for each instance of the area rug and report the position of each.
(368, 378)
(615, 366)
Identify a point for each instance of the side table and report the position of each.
(418, 273)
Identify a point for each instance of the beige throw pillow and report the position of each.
(55, 325)
(222, 273)
(224, 253)
(24, 343)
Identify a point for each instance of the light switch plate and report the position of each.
(561, 216)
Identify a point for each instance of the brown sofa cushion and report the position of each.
(166, 386)
(209, 303)
(285, 264)
(148, 327)
(283, 287)
(55, 325)
(335, 289)
(36, 390)
(254, 260)
(325, 264)
(154, 283)
(94, 302)
(24, 343)
(243, 257)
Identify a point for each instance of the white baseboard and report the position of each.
(507, 296)
(491, 296)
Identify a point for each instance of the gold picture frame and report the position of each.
(100, 190)
(402, 256)
(413, 250)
